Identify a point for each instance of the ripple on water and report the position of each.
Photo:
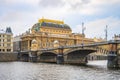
(43, 71)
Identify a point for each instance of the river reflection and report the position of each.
(95, 70)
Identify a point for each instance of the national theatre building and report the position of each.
(51, 33)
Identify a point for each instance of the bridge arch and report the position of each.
(118, 51)
(90, 50)
(77, 56)
(48, 56)
(43, 52)
(25, 57)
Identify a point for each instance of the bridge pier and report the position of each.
(118, 61)
(18, 56)
(32, 56)
(112, 60)
(113, 56)
(60, 58)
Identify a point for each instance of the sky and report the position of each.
(21, 15)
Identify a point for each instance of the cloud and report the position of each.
(24, 13)
(18, 27)
(96, 28)
(13, 2)
(82, 7)
(91, 7)
(75, 4)
(51, 3)
(11, 17)
(104, 2)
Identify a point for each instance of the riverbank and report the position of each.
(7, 57)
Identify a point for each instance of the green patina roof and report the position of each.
(37, 26)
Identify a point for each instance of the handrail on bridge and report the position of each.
(84, 45)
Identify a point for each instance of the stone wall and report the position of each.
(119, 60)
(5, 57)
(96, 57)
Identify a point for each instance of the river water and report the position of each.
(95, 70)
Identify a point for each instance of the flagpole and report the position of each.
(82, 33)
(82, 28)
(106, 33)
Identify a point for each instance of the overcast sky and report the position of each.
(21, 15)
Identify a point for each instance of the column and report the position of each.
(28, 44)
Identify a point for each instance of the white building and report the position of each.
(17, 43)
(6, 40)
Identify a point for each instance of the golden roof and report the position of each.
(50, 21)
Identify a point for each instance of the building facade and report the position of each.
(116, 37)
(17, 43)
(51, 33)
(6, 40)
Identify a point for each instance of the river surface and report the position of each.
(95, 70)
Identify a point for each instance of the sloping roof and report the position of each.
(8, 30)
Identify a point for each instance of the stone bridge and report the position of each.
(58, 55)
(65, 55)
(75, 54)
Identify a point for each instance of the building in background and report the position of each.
(116, 37)
(51, 33)
(17, 43)
(6, 40)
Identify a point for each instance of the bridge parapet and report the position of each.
(75, 53)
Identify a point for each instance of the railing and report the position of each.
(83, 46)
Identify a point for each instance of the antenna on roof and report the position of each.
(83, 28)
(106, 32)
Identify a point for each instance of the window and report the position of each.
(8, 36)
(8, 45)
(3, 49)
(8, 50)
(8, 40)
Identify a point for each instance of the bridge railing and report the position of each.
(85, 46)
